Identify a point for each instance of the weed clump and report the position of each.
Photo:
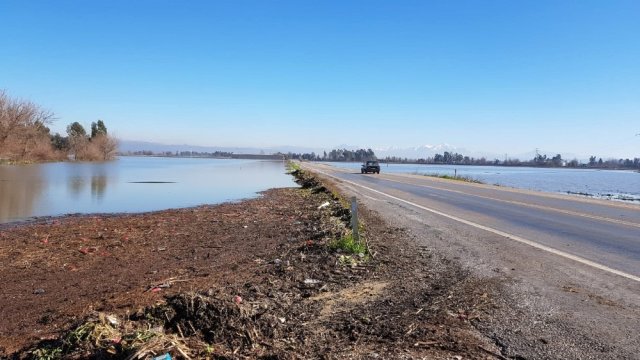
(456, 178)
(349, 245)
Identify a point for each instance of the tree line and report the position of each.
(539, 160)
(25, 135)
(334, 155)
(454, 158)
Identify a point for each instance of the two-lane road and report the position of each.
(604, 235)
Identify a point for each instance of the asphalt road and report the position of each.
(602, 233)
(571, 265)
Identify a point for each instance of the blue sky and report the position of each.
(487, 76)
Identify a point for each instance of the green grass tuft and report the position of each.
(349, 245)
(293, 166)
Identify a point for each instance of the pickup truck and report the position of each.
(370, 166)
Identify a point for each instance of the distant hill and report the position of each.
(132, 145)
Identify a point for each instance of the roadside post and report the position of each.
(354, 219)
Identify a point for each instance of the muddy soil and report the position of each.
(253, 279)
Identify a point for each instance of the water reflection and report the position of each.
(21, 187)
(75, 186)
(98, 186)
(131, 185)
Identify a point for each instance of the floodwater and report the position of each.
(131, 184)
(609, 184)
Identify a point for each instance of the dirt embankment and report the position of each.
(261, 278)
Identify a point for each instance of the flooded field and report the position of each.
(131, 184)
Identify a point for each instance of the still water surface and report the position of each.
(131, 184)
(611, 184)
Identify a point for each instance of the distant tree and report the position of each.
(103, 147)
(60, 142)
(98, 128)
(24, 134)
(75, 130)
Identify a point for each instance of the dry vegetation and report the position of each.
(25, 136)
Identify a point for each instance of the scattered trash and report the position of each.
(113, 320)
(237, 299)
(38, 291)
(282, 320)
(277, 262)
(311, 281)
(166, 356)
(246, 226)
(324, 205)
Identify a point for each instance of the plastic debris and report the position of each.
(237, 299)
(166, 356)
(324, 205)
(311, 281)
(38, 291)
(113, 320)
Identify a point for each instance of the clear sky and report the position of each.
(486, 75)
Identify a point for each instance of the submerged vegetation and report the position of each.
(26, 137)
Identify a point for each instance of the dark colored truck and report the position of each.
(370, 166)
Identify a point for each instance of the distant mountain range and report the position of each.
(415, 152)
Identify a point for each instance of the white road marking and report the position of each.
(501, 233)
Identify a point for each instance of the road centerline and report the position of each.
(516, 238)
